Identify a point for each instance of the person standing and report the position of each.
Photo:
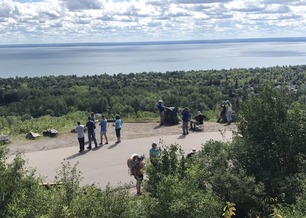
(92, 116)
(103, 130)
(222, 115)
(229, 112)
(118, 126)
(161, 111)
(137, 171)
(154, 153)
(80, 131)
(185, 118)
(91, 126)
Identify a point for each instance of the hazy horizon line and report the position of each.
(174, 42)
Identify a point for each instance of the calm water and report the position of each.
(112, 58)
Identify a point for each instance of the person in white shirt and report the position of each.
(229, 112)
(80, 131)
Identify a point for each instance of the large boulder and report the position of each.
(32, 135)
(171, 116)
(50, 132)
(4, 139)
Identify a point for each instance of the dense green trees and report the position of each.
(272, 146)
(261, 172)
(133, 93)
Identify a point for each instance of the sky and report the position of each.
(72, 21)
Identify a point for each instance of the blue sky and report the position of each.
(64, 21)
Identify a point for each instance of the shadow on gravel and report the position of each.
(157, 127)
(113, 145)
(95, 149)
(77, 154)
(181, 136)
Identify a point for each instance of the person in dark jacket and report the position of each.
(161, 111)
(91, 126)
(185, 118)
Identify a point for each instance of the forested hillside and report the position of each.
(259, 174)
(135, 93)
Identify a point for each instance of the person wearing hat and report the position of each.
(137, 170)
(198, 120)
(154, 153)
(161, 111)
(193, 151)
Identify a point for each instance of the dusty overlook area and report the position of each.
(129, 131)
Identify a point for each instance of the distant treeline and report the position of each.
(129, 94)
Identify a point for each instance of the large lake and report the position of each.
(113, 58)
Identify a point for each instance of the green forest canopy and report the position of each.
(260, 173)
(132, 93)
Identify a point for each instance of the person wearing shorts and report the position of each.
(138, 173)
(103, 130)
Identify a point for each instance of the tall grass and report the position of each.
(15, 125)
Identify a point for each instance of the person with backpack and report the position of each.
(136, 166)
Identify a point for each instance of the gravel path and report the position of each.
(129, 131)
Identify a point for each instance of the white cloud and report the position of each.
(7, 8)
(137, 20)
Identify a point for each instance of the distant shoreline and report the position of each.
(188, 42)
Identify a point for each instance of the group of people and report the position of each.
(186, 117)
(226, 113)
(91, 133)
(136, 164)
(194, 123)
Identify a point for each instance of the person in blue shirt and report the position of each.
(91, 126)
(185, 118)
(103, 130)
(161, 111)
(118, 126)
(154, 154)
